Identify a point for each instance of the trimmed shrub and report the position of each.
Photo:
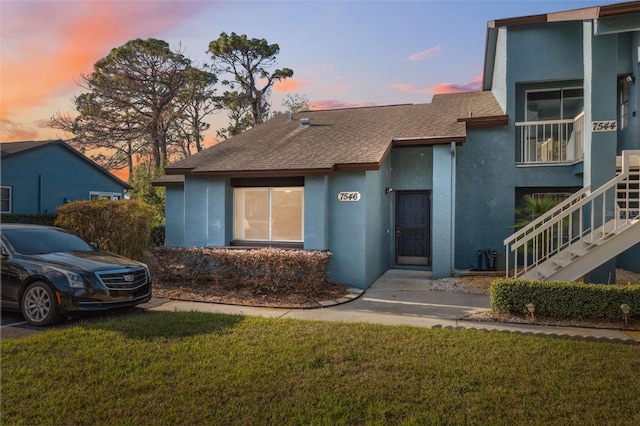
(35, 219)
(564, 300)
(268, 270)
(122, 227)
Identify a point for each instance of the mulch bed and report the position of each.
(298, 296)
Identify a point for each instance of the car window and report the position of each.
(44, 241)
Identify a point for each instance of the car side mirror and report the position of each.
(4, 252)
(94, 245)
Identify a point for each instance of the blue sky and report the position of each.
(343, 53)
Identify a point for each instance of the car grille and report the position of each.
(126, 279)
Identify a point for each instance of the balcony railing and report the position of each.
(551, 141)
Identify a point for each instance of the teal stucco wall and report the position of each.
(442, 211)
(378, 228)
(43, 179)
(208, 213)
(174, 216)
(347, 229)
(485, 194)
(316, 213)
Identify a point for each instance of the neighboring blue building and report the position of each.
(37, 177)
(432, 186)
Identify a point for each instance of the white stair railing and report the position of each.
(585, 216)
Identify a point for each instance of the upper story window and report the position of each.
(624, 93)
(268, 214)
(554, 104)
(552, 132)
(5, 199)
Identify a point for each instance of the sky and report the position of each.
(343, 53)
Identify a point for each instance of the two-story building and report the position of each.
(434, 186)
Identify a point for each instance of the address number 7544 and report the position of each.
(604, 126)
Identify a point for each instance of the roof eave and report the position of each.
(168, 184)
(178, 171)
(594, 12)
(427, 141)
(320, 171)
(618, 9)
(483, 122)
(262, 173)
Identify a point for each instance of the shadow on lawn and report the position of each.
(153, 325)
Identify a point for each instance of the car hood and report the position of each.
(86, 261)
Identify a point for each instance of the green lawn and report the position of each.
(166, 368)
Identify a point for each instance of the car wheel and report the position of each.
(39, 305)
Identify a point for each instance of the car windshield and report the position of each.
(44, 241)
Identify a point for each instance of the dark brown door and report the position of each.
(412, 228)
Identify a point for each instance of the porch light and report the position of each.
(531, 308)
(388, 189)
(625, 310)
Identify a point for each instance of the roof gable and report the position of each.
(12, 149)
(612, 18)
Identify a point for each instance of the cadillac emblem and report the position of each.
(129, 278)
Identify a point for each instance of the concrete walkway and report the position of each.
(403, 297)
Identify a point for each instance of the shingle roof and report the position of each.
(9, 149)
(357, 138)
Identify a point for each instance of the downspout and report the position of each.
(40, 191)
(453, 214)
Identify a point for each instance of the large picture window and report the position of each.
(5, 199)
(268, 214)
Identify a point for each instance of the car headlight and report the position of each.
(74, 280)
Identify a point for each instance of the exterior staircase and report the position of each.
(581, 233)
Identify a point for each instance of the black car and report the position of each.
(49, 272)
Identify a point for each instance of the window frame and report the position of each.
(10, 198)
(624, 101)
(551, 89)
(269, 241)
(104, 195)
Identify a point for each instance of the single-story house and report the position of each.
(39, 176)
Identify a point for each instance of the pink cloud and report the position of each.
(432, 51)
(11, 132)
(336, 104)
(474, 85)
(404, 87)
(288, 85)
(47, 45)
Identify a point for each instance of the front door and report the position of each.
(412, 228)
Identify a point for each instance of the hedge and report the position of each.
(122, 227)
(564, 300)
(268, 269)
